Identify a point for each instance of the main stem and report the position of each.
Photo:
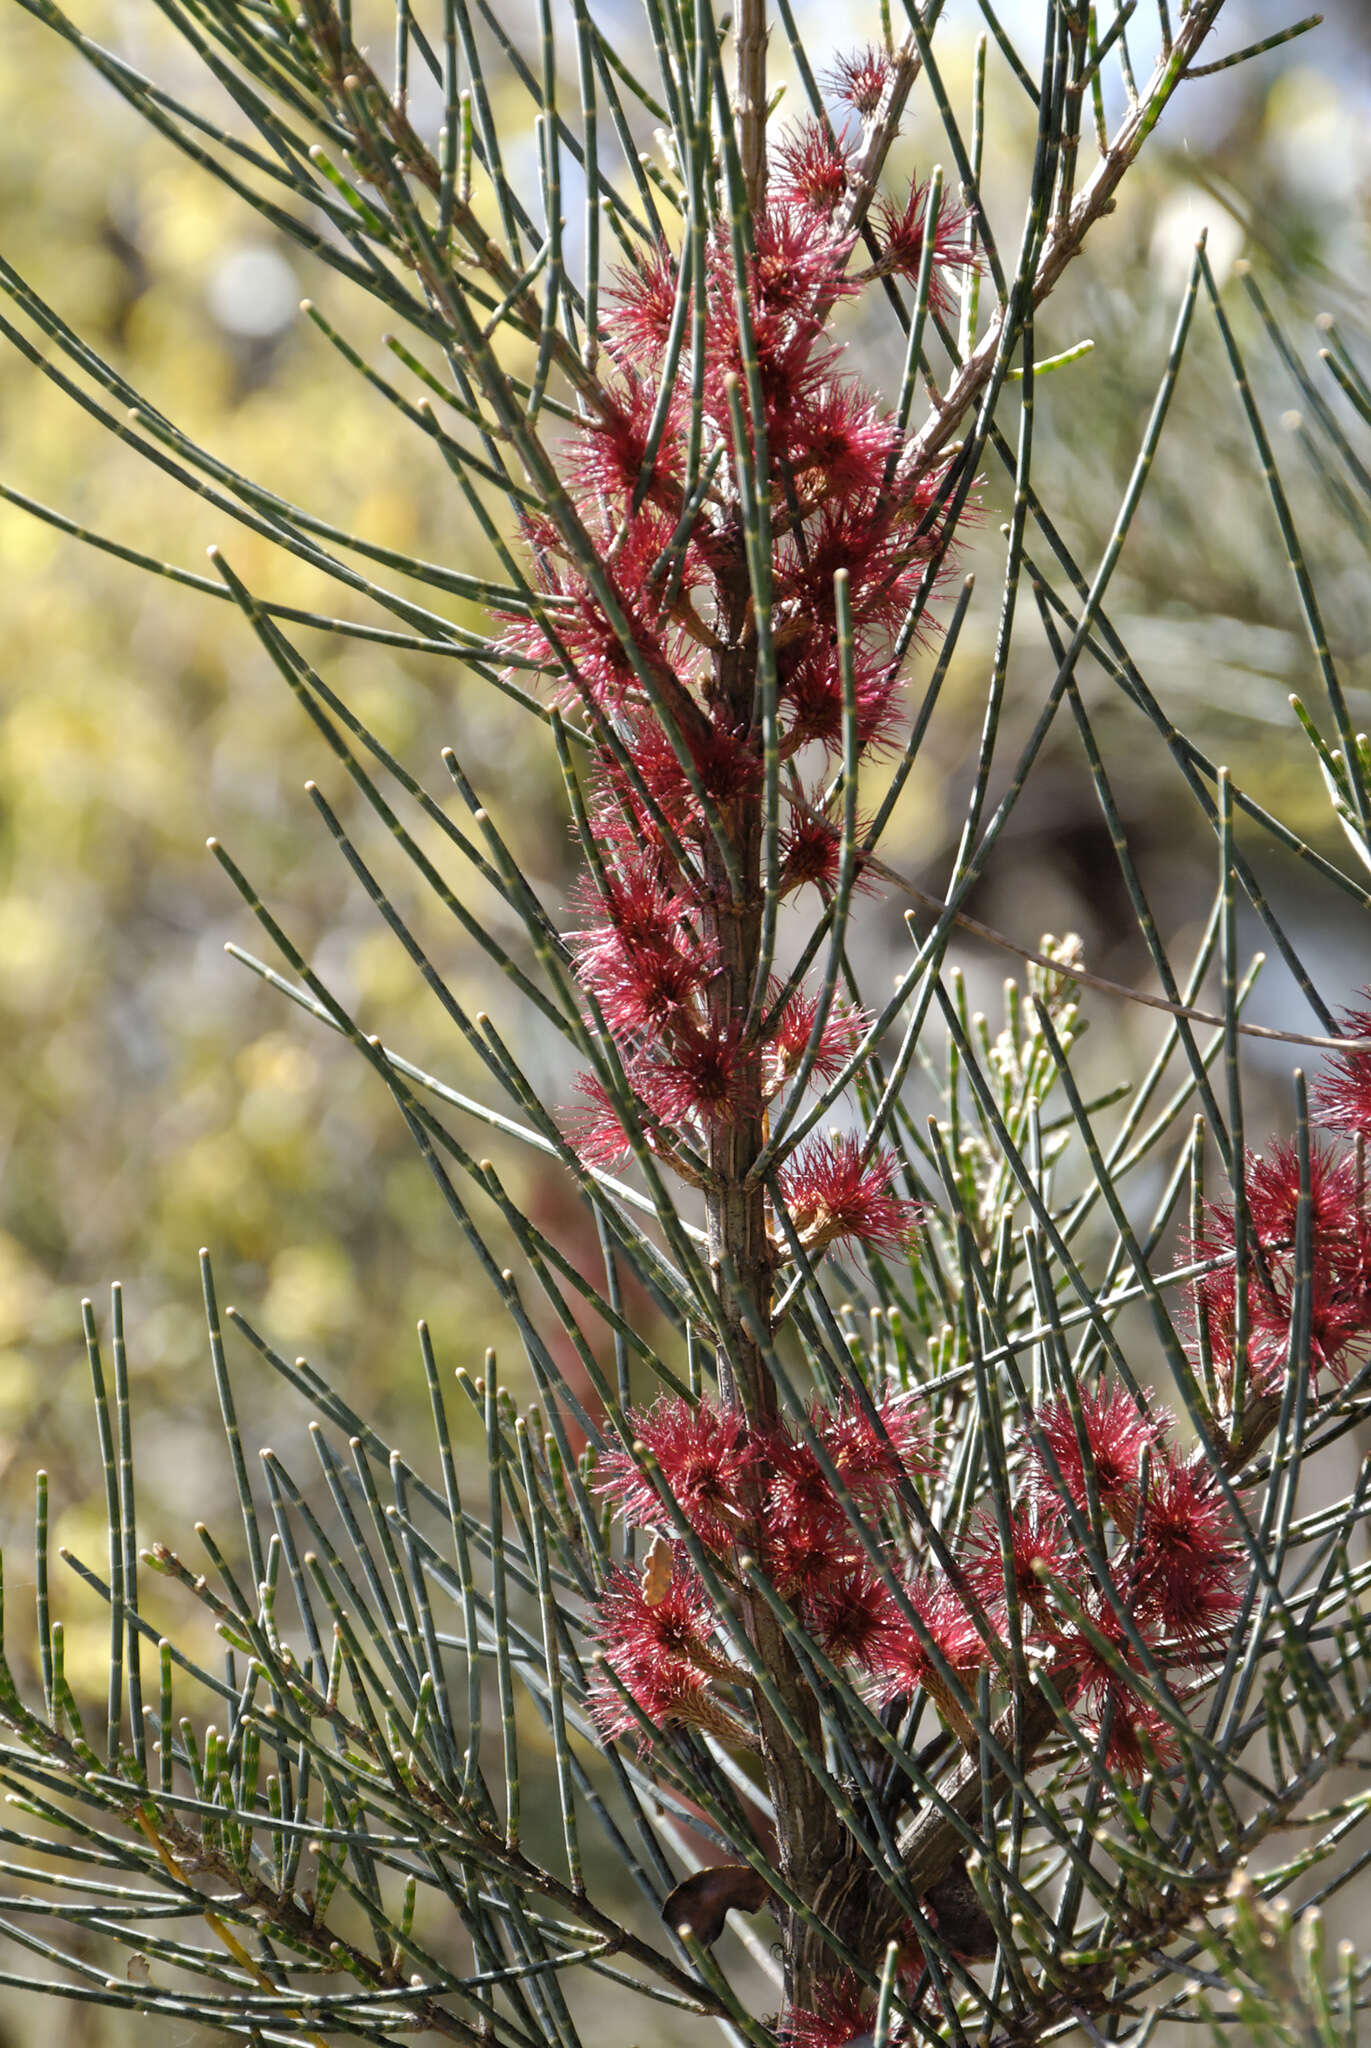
(809, 1837)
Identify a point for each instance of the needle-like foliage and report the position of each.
(908, 1541)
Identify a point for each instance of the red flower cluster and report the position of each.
(840, 494)
(1171, 1547)
(661, 1654)
(1340, 1236)
(761, 1490)
(1170, 1544)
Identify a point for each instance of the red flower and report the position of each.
(831, 1195)
(683, 1077)
(597, 1135)
(842, 1033)
(796, 273)
(852, 1613)
(809, 167)
(877, 538)
(1038, 1537)
(811, 851)
(861, 78)
(1343, 1094)
(1117, 1434)
(628, 832)
(1091, 1662)
(1132, 1722)
(806, 1536)
(694, 1074)
(797, 270)
(639, 307)
(839, 435)
(639, 952)
(1340, 1308)
(903, 1663)
(706, 1456)
(842, 2013)
(660, 1654)
(812, 705)
(1273, 1189)
(608, 456)
(868, 1462)
(901, 232)
(1190, 1566)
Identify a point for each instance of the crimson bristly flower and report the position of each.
(837, 441)
(901, 230)
(694, 1074)
(671, 1096)
(726, 766)
(607, 456)
(1339, 1322)
(833, 1194)
(802, 1552)
(707, 1458)
(597, 1135)
(796, 273)
(811, 853)
(1117, 1432)
(603, 669)
(628, 830)
(1342, 1093)
(843, 2012)
(1040, 1542)
(661, 1654)
(842, 1032)
(1082, 1666)
(638, 949)
(639, 306)
(1135, 1729)
(806, 1537)
(877, 540)
(903, 1663)
(871, 1460)
(1340, 1318)
(1273, 1190)
(812, 710)
(1190, 1567)
(810, 167)
(860, 79)
(852, 1614)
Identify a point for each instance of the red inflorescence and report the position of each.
(1343, 1095)
(1116, 1433)
(1177, 1568)
(1340, 1254)
(844, 2013)
(833, 1192)
(811, 168)
(661, 1654)
(902, 232)
(860, 78)
(707, 1458)
(637, 645)
(1188, 1577)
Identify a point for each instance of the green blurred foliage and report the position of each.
(157, 1096)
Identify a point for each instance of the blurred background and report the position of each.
(155, 1096)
